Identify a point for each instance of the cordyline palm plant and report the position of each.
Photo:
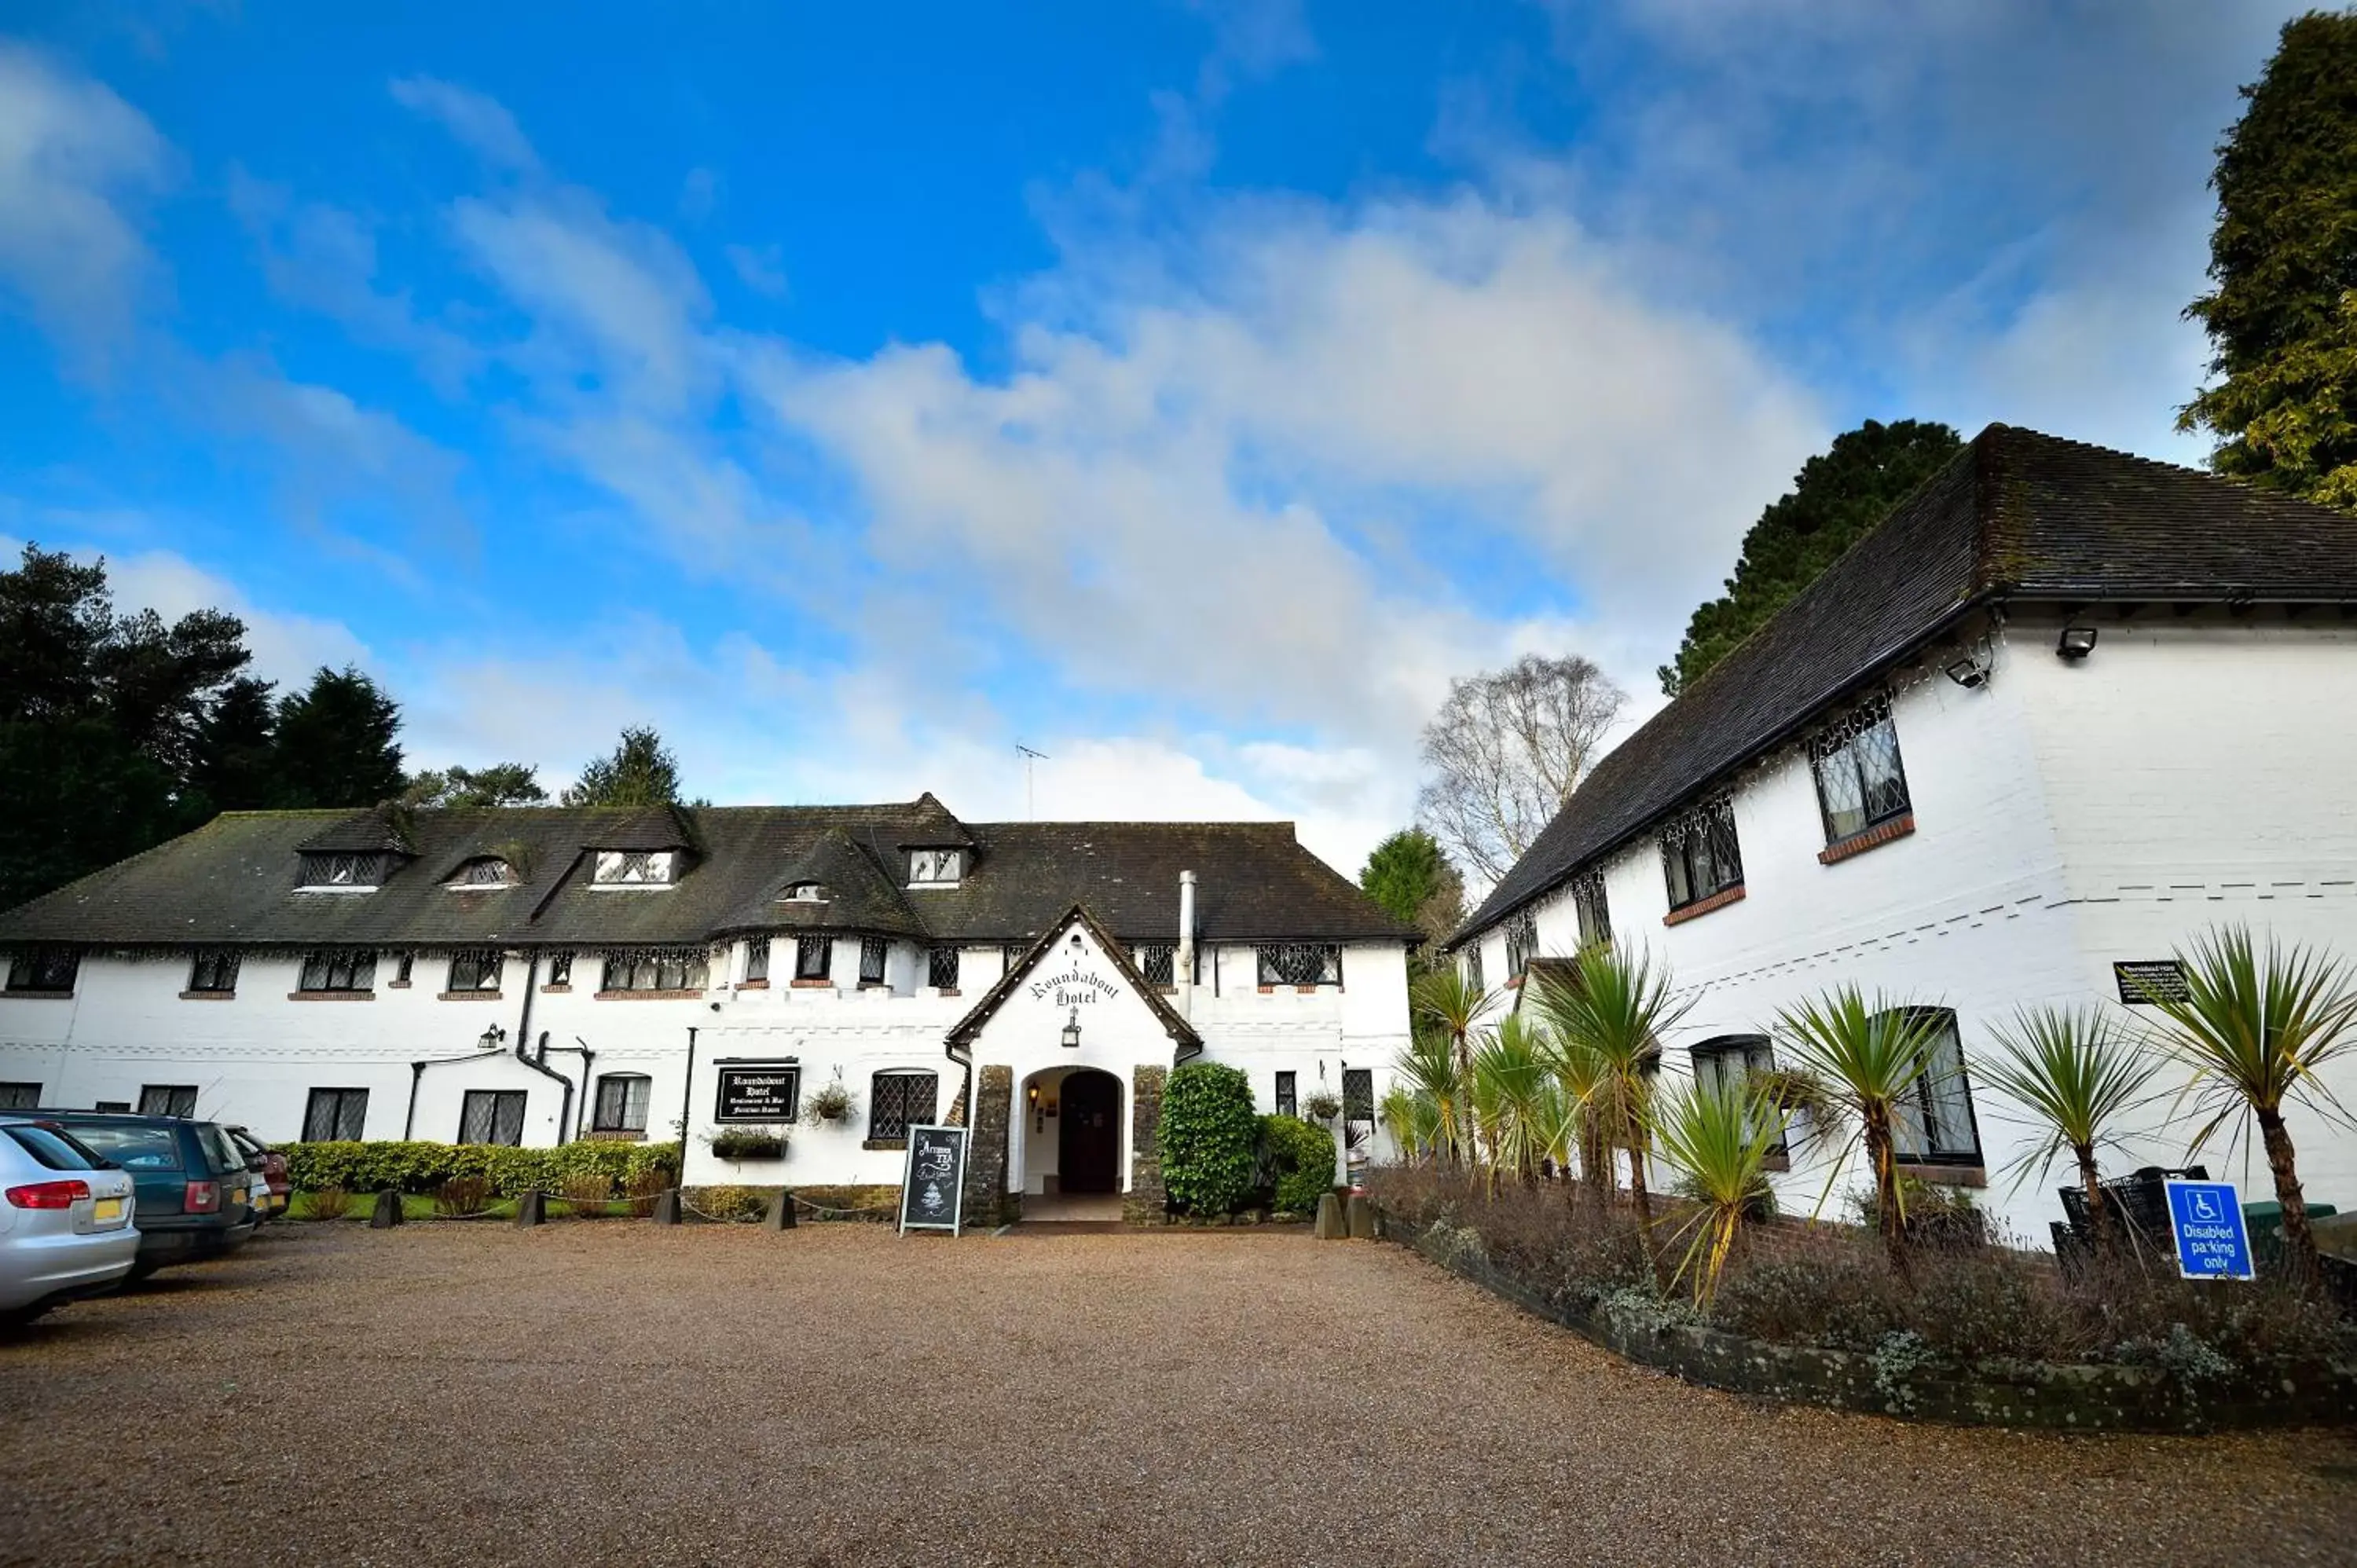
(2077, 1073)
(1719, 1136)
(1429, 1071)
(1614, 1005)
(1398, 1113)
(1580, 1075)
(2255, 1029)
(1869, 1056)
(1450, 1003)
(1510, 1077)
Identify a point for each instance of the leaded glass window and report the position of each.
(935, 867)
(633, 868)
(757, 962)
(1284, 1093)
(941, 967)
(622, 1100)
(1935, 1121)
(1860, 781)
(213, 973)
(814, 956)
(168, 1099)
(492, 1116)
(656, 969)
(873, 951)
(339, 968)
(44, 969)
(1359, 1096)
(1156, 961)
(1522, 942)
(1473, 967)
(900, 1101)
(1588, 904)
(560, 968)
(1727, 1063)
(1699, 853)
(475, 969)
(337, 1114)
(1300, 963)
(359, 873)
(487, 872)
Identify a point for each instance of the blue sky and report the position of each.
(1185, 391)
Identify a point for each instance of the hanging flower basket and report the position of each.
(1322, 1108)
(831, 1104)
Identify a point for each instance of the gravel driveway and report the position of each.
(612, 1392)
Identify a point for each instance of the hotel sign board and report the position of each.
(2147, 980)
(933, 1192)
(759, 1092)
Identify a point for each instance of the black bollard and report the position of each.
(532, 1208)
(667, 1207)
(781, 1211)
(387, 1213)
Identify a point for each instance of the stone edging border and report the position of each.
(2038, 1395)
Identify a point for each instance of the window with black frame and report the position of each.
(942, 966)
(1300, 963)
(1285, 1094)
(19, 1096)
(1935, 1124)
(814, 956)
(1590, 906)
(656, 970)
(44, 969)
(168, 1099)
(873, 951)
(339, 970)
(560, 968)
(335, 1114)
(1157, 962)
(621, 1103)
(757, 962)
(492, 1116)
(1700, 857)
(1861, 783)
(475, 969)
(900, 1101)
(213, 973)
(1473, 966)
(1358, 1111)
(1727, 1063)
(1522, 944)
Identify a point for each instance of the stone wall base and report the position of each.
(1146, 1202)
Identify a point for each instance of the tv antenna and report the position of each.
(1030, 804)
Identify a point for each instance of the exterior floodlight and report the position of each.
(1971, 670)
(2075, 643)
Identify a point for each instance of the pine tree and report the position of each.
(2283, 316)
(1835, 499)
(640, 772)
(335, 742)
(1410, 875)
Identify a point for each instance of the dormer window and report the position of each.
(326, 872)
(936, 868)
(806, 892)
(489, 871)
(634, 868)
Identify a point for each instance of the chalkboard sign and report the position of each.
(759, 1092)
(932, 1193)
(2147, 980)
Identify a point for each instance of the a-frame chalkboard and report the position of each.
(933, 1191)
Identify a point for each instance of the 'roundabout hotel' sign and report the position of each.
(1076, 987)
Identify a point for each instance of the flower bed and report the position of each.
(1981, 1336)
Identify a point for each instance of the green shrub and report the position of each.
(1301, 1154)
(735, 1203)
(418, 1166)
(327, 1203)
(462, 1196)
(1208, 1132)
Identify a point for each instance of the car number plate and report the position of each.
(107, 1209)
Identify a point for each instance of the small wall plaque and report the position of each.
(2143, 981)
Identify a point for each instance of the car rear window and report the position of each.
(134, 1147)
(53, 1149)
(221, 1149)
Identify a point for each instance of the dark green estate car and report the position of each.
(191, 1178)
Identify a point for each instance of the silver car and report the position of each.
(65, 1220)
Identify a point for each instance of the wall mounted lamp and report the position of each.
(492, 1038)
(2075, 643)
(1072, 1032)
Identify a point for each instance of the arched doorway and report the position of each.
(1088, 1132)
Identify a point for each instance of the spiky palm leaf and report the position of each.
(1869, 1056)
(2077, 1073)
(1719, 1138)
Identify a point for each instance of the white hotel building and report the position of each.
(530, 975)
(2061, 711)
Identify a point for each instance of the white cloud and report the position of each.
(762, 270)
(70, 152)
(479, 123)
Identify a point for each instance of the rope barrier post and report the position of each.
(387, 1213)
(530, 1209)
(781, 1211)
(666, 1210)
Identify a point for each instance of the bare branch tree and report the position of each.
(1506, 750)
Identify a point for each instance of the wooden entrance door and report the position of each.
(1088, 1139)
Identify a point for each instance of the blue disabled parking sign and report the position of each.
(2213, 1243)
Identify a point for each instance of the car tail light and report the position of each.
(201, 1197)
(50, 1193)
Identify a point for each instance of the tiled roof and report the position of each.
(233, 881)
(2016, 515)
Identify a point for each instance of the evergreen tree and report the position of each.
(335, 742)
(500, 784)
(1410, 875)
(235, 762)
(1835, 499)
(640, 772)
(2283, 316)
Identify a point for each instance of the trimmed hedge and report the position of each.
(1208, 1132)
(419, 1166)
(1302, 1154)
